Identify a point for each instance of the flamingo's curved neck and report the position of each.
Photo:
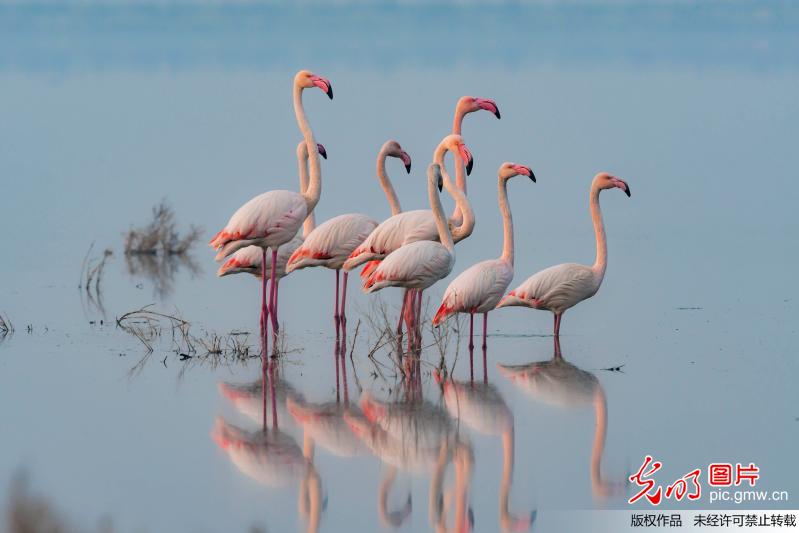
(302, 162)
(601, 262)
(315, 184)
(507, 222)
(460, 172)
(385, 183)
(463, 230)
(438, 210)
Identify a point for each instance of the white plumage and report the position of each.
(556, 288)
(332, 242)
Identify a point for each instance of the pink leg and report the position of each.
(273, 297)
(335, 307)
(263, 388)
(402, 311)
(344, 303)
(471, 331)
(277, 288)
(471, 347)
(418, 313)
(557, 348)
(485, 347)
(264, 311)
(557, 325)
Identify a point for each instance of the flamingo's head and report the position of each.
(392, 148)
(603, 180)
(508, 170)
(470, 104)
(454, 143)
(238, 263)
(307, 80)
(302, 150)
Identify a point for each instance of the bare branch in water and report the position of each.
(157, 251)
(6, 327)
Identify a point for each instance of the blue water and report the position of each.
(108, 108)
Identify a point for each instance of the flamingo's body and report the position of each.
(480, 287)
(561, 287)
(273, 218)
(330, 244)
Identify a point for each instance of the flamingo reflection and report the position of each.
(415, 437)
(561, 384)
(481, 407)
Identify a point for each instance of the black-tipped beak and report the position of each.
(627, 190)
(469, 166)
(329, 91)
(321, 150)
(496, 114)
(532, 176)
(440, 184)
(408, 168)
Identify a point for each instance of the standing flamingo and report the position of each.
(560, 287)
(273, 218)
(332, 242)
(418, 265)
(248, 260)
(480, 287)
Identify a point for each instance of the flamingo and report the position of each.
(248, 260)
(272, 219)
(561, 287)
(480, 287)
(332, 242)
(418, 265)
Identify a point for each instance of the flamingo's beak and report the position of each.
(321, 150)
(489, 105)
(621, 184)
(406, 159)
(525, 171)
(323, 84)
(467, 158)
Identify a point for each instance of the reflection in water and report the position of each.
(416, 437)
(482, 408)
(160, 269)
(271, 456)
(561, 384)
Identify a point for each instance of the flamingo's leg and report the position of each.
(273, 295)
(272, 392)
(277, 288)
(471, 347)
(264, 311)
(485, 330)
(335, 307)
(557, 324)
(344, 302)
(471, 330)
(485, 347)
(402, 311)
(419, 318)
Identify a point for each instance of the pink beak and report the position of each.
(323, 84)
(524, 171)
(621, 184)
(488, 105)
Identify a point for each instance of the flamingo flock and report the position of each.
(274, 234)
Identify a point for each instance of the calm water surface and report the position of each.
(698, 309)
